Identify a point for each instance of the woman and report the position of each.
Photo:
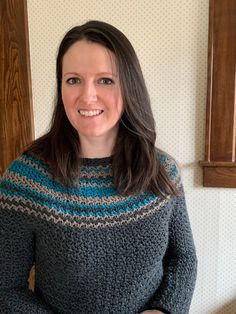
(93, 204)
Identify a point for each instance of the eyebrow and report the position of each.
(100, 73)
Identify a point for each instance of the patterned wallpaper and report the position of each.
(170, 38)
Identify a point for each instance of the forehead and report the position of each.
(89, 55)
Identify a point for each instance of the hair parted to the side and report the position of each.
(135, 163)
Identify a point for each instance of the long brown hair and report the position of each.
(135, 163)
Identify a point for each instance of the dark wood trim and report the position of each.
(29, 80)
(219, 177)
(219, 166)
(16, 119)
(209, 80)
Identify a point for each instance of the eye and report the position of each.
(73, 80)
(106, 81)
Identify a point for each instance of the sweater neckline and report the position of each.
(104, 161)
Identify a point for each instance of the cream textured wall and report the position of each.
(170, 38)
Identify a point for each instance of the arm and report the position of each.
(180, 264)
(16, 257)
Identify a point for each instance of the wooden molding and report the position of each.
(16, 119)
(219, 177)
(220, 148)
(218, 164)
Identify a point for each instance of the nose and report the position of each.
(88, 92)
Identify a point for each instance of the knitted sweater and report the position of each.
(95, 251)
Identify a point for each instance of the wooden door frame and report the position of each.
(219, 166)
(16, 106)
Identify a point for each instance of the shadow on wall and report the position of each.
(228, 308)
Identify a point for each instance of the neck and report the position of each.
(96, 147)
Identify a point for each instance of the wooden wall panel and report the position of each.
(223, 92)
(16, 117)
(219, 166)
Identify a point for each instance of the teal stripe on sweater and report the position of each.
(33, 174)
(56, 204)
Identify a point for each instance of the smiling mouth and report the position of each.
(90, 113)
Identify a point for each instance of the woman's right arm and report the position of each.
(16, 255)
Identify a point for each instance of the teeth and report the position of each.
(90, 113)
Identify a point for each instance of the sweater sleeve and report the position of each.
(16, 253)
(175, 293)
(180, 265)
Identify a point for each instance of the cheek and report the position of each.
(67, 97)
(115, 103)
(119, 107)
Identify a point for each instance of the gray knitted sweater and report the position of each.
(95, 251)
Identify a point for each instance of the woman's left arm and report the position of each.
(180, 265)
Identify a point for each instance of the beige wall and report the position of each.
(170, 38)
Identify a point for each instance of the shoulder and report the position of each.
(24, 168)
(170, 166)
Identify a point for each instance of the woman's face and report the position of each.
(91, 90)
